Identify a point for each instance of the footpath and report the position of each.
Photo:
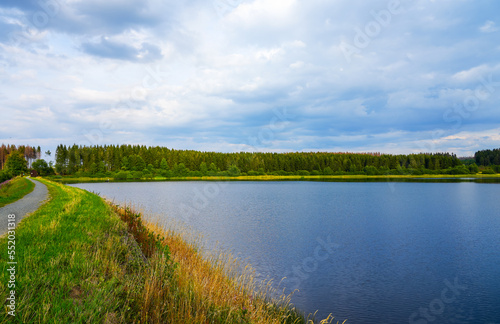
(24, 206)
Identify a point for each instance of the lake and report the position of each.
(369, 252)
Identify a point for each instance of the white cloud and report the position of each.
(273, 12)
(489, 27)
(216, 80)
(472, 75)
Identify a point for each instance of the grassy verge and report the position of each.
(14, 190)
(80, 260)
(356, 177)
(75, 263)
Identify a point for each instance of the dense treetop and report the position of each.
(488, 157)
(137, 161)
(111, 158)
(15, 160)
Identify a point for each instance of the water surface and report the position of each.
(377, 252)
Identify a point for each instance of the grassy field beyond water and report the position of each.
(81, 260)
(348, 177)
(14, 190)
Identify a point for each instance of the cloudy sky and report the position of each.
(252, 75)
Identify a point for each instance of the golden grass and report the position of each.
(183, 285)
(220, 282)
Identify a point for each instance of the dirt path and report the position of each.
(24, 206)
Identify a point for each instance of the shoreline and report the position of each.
(491, 178)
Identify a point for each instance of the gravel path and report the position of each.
(24, 206)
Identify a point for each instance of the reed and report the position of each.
(212, 288)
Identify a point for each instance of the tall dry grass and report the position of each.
(215, 288)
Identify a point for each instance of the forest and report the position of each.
(488, 157)
(15, 160)
(138, 161)
(127, 161)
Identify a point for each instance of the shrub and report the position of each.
(473, 168)
(122, 175)
(461, 169)
(195, 174)
(233, 171)
(5, 175)
(136, 175)
(327, 171)
(371, 170)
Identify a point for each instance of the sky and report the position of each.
(391, 76)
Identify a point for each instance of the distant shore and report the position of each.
(333, 178)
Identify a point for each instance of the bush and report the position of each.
(166, 173)
(371, 170)
(488, 171)
(327, 171)
(5, 175)
(473, 168)
(42, 168)
(122, 175)
(195, 174)
(147, 174)
(233, 171)
(461, 169)
(136, 175)
(416, 171)
(180, 170)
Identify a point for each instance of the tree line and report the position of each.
(16, 160)
(30, 153)
(489, 160)
(138, 161)
(487, 157)
(123, 161)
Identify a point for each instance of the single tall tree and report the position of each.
(16, 163)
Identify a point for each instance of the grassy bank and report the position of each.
(355, 177)
(14, 190)
(79, 262)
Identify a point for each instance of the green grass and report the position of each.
(80, 260)
(350, 177)
(73, 262)
(16, 189)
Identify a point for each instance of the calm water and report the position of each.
(369, 252)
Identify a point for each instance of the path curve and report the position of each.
(24, 206)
